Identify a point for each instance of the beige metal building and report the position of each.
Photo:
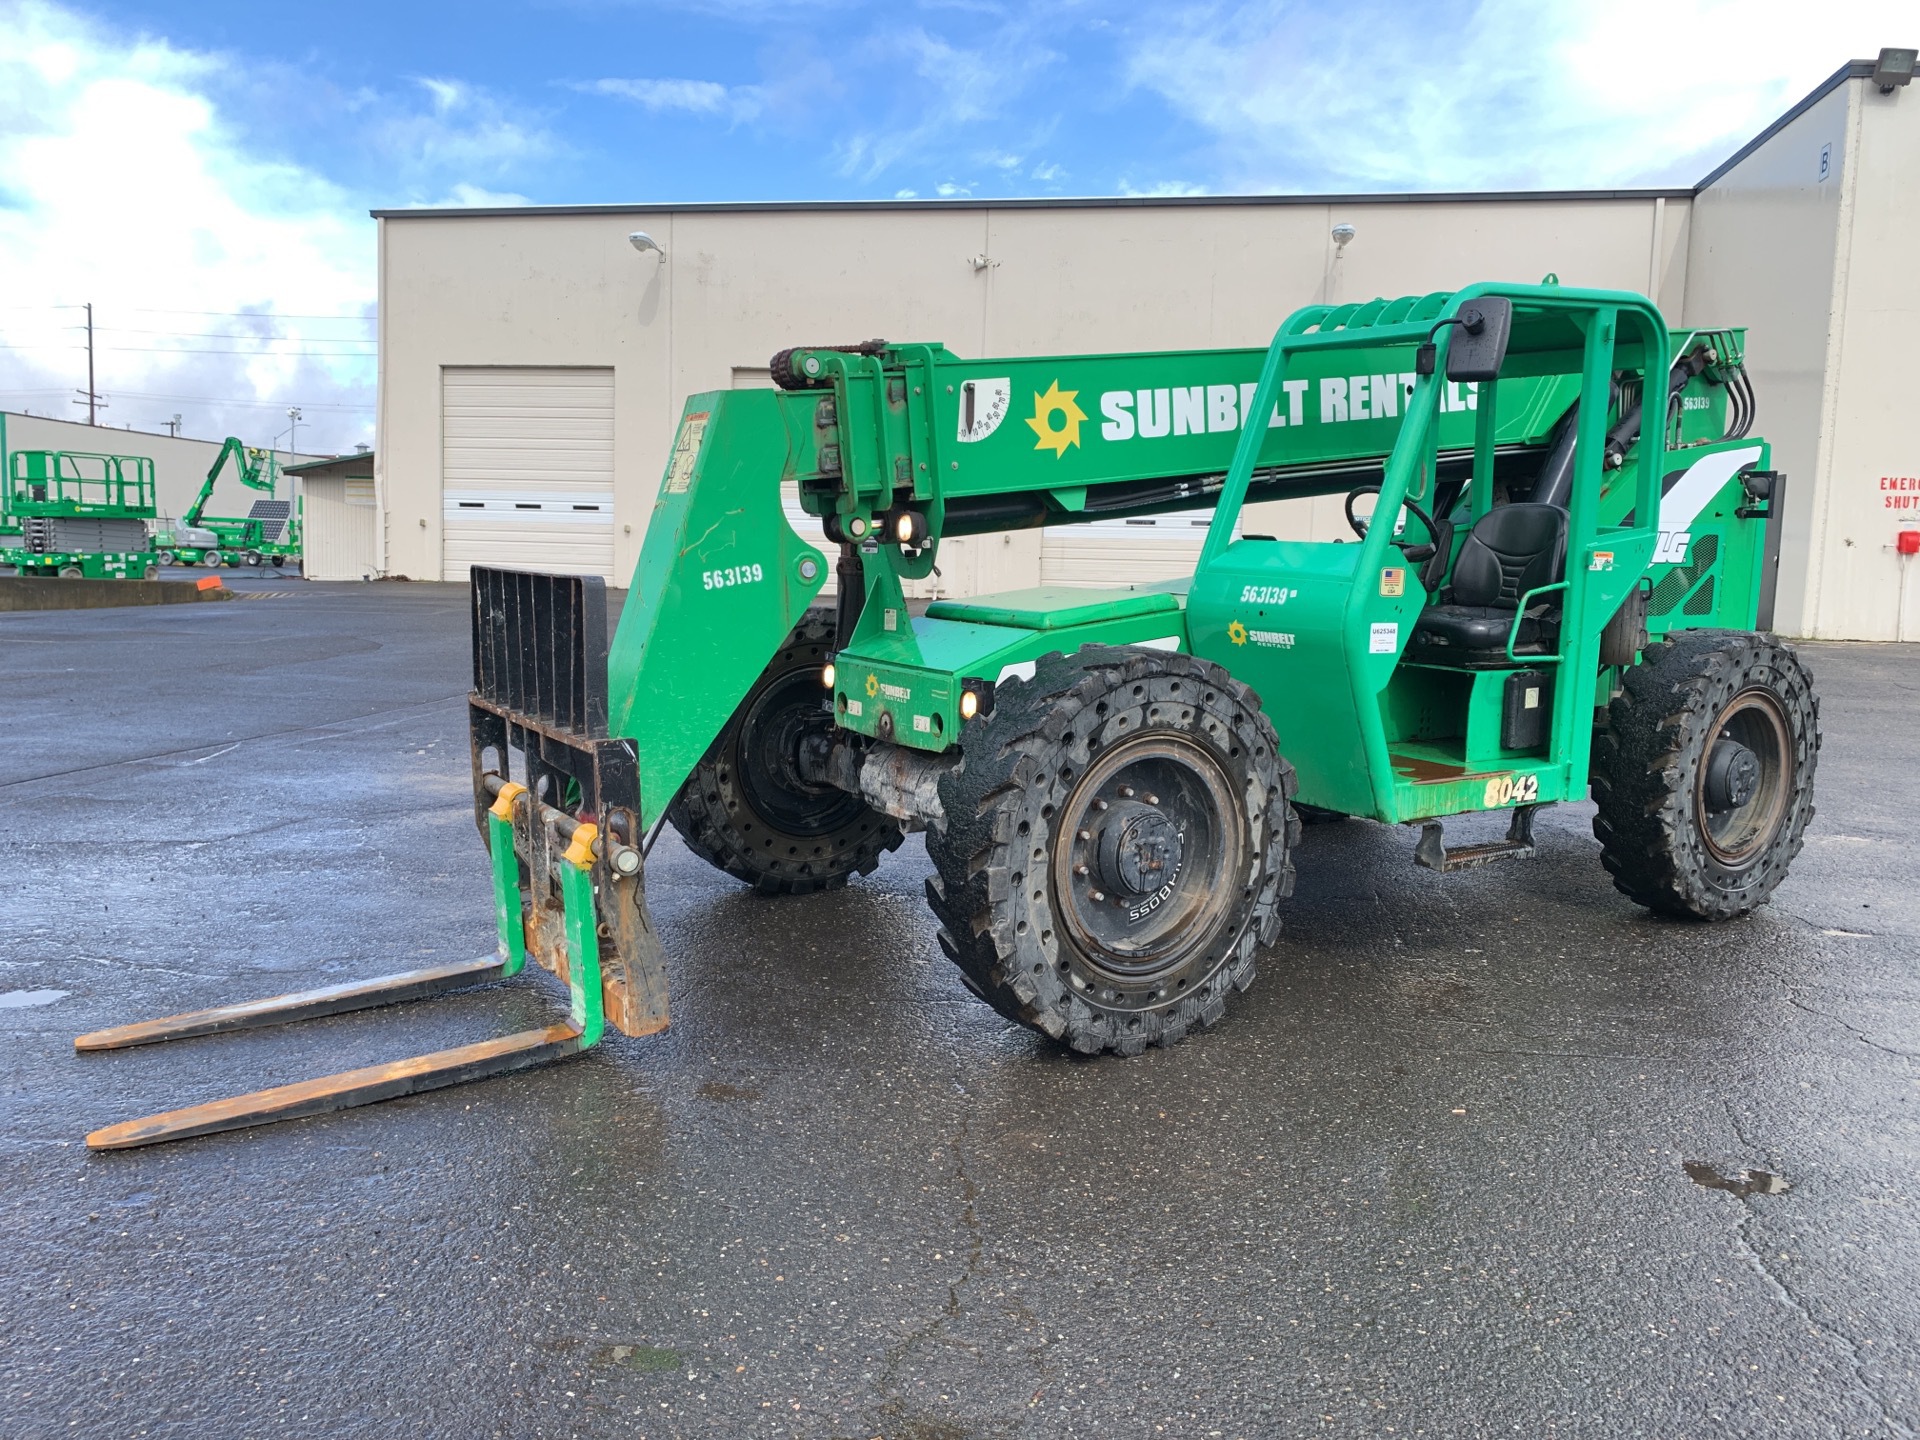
(534, 363)
(341, 539)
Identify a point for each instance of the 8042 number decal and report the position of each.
(732, 575)
(1511, 790)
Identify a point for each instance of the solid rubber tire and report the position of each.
(1022, 761)
(1647, 760)
(715, 815)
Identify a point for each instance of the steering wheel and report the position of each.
(1414, 553)
(1433, 557)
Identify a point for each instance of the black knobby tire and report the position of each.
(1204, 782)
(1704, 774)
(747, 810)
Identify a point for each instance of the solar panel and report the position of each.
(273, 515)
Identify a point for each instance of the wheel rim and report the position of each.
(1740, 793)
(782, 716)
(1144, 855)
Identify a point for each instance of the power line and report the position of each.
(188, 350)
(207, 399)
(184, 350)
(220, 334)
(228, 314)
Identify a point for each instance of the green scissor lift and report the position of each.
(77, 515)
(1564, 604)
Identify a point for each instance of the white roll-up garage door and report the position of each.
(527, 469)
(1120, 552)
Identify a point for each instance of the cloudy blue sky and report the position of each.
(202, 172)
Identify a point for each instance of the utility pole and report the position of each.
(173, 425)
(92, 399)
(293, 429)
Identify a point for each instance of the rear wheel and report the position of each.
(746, 807)
(1118, 838)
(1704, 776)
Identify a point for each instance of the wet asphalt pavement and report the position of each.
(1430, 1177)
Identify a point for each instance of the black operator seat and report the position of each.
(1511, 549)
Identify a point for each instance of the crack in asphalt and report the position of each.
(1855, 1030)
(975, 1270)
(1782, 1293)
(338, 727)
(1841, 1343)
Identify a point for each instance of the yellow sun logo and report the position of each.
(1237, 633)
(1056, 402)
(873, 686)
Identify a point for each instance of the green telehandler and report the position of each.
(268, 534)
(1561, 537)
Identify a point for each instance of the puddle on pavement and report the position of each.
(638, 1357)
(23, 999)
(1747, 1182)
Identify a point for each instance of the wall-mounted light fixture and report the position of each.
(1894, 69)
(644, 242)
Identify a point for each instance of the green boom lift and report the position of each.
(1564, 604)
(77, 515)
(268, 534)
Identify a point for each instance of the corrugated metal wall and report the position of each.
(340, 542)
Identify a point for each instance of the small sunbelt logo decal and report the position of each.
(1056, 436)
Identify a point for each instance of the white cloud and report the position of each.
(698, 97)
(466, 132)
(906, 194)
(1160, 188)
(1514, 93)
(947, 190)
(465, 196)
(957, 86)
(1047, 173)
(123, 185)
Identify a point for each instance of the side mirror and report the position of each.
(1480, 339)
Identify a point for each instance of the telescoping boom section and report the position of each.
(1557, 537)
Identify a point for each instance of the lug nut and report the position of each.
(1153, 799)
(1080, 870)
(1085, 834)
(1126, 792)
(1098, 896)
(1099, 804)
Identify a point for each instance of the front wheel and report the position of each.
(1704, 775)
(748, 810)
(1117, 841)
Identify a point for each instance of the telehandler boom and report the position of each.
(1560, 599)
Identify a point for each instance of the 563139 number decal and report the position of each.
(732, 575)
(1511, 790)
